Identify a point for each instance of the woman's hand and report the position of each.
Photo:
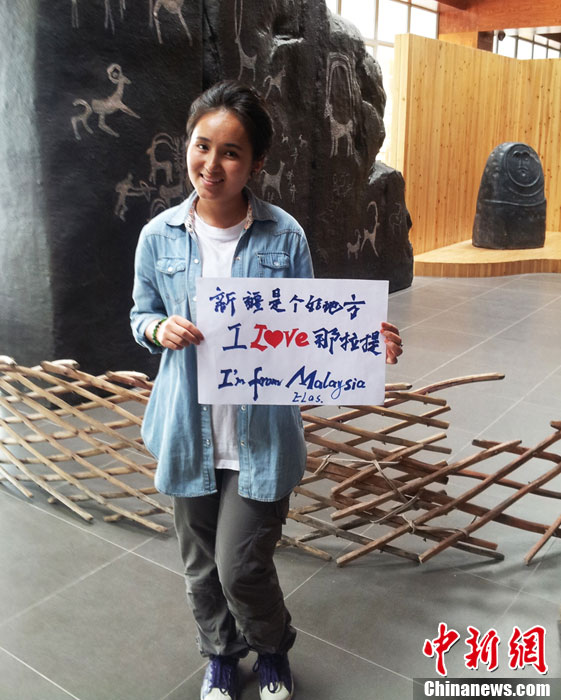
(176, 333)
(392, 339)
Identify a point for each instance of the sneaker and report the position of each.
(221, 679)
(275, 678)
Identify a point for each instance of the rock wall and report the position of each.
(105, 98)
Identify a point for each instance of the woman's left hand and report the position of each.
(392, 339)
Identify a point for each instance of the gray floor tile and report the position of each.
(432, 296)
(547, 394)
(41, 554)
(525, 421)
(450, 343)
(19, 682)
(525, 613)
(546, 585)
(404, 314)
(475, 406)
(388, 619)
(480, 320)
(124, 533)
(522, 297)
(121, 633)
(521, 374)
(320, 670)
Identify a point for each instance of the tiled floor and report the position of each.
(96, 612)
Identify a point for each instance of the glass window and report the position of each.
(424, 23)
(384, 56)
(361, 14)
(524, 49)
(552, 53)
(540, 51)
(392, 20)
(507, 47)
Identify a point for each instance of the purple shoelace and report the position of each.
(273, 670)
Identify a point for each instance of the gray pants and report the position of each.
(227, 544)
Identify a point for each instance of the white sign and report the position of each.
(291, 341)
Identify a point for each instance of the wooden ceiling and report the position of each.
(486, 15)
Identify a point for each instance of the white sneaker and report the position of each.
(221, 679)
(275, 677)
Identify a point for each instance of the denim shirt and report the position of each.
(176, 428)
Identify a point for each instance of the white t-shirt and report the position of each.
(217, 247)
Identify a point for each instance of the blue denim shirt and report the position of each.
(176, 428)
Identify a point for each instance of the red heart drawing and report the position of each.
(274, 338)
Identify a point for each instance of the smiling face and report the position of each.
(219, 162)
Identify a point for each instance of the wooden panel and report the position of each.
(462, 38)
(485, 15)
(452, 106)
(465, 260)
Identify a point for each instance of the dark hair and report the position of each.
(248, 106)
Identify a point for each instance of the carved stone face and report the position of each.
(523, 166)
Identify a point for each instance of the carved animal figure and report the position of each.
(105, 106)
(245, 60)
(339, 131)
(354, 248)
(175, 8)
(126, 188)
(156, 164)
(168, 194)
(370, 236)
(274, 82)
(272, 182)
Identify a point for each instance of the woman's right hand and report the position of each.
(176, 333)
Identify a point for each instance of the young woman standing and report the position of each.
(229, 469)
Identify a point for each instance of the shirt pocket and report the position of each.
(273, 264)
(173, 280)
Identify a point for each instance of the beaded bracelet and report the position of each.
(155, 331)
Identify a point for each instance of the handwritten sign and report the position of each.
(291, 341)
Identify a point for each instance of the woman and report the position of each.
(230, 469)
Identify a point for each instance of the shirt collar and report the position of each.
(257, 210)
(190, 219)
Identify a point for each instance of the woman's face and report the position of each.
(220, 158)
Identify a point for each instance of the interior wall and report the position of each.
(452, 106)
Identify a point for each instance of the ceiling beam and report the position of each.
(487, 15)
(458, 4)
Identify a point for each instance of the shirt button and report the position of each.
(276, 264)
(243, 408)
(242, 443)
(194, 298)
(205, 408)
(237, 258)
(170, 269)
(207, 442)
(196, 261)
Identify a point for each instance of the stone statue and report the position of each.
(511, 205)
(86, 161)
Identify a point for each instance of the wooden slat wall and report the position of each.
(452, 106)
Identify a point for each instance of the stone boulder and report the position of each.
(92, 146)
